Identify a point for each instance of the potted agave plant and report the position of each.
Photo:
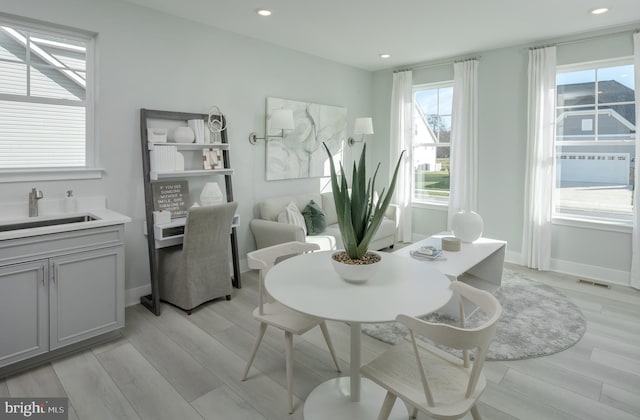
(359, 217)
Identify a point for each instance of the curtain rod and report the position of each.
(586, 38)
(438, 64)
(572, 41)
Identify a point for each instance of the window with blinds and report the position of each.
(45, 106)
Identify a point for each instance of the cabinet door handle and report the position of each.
(53, 271)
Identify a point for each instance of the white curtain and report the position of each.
(464, 139)
(635, 235)
(536, 232)
(401, 136)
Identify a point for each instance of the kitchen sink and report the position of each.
(47, 222)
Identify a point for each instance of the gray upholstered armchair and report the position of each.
(199, 270)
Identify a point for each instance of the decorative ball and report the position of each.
(183, 135)
(467, 226)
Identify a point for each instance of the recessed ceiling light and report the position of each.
(263, 12)
(599, 11)
(385, 55)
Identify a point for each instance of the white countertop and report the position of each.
(14, 213)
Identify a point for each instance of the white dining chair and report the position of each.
(430, 379)
(270, 312)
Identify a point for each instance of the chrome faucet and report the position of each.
(34, 196)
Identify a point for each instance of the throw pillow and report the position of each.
(292, 216)
(314, 218)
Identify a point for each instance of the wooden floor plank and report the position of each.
(269, 397)
(616, 361)
(559, 376)
(40, 381)
(562, 399)
(224, 404)
(4, 391)
(91, 390)
(182, 371)
(521, 406)
(149, 393)
(622, 399)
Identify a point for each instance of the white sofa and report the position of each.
(268, 231)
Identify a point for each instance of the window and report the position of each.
(432, 107)
(45, 98)
(595, 141)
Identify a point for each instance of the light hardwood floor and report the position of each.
(188, 367)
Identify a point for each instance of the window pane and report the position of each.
(431, 170)
(70, 53)
(48, 82)
(14, 78)
(9, 48)
(444, 129)
(595, 179)
(616, 122)
(446, 100)
(427, 100)
(615, 84)
(576, 123)
(41, 135)
(576, 88)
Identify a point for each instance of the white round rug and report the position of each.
(536, 320)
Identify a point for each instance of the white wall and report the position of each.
(146, 59)
(502, 79)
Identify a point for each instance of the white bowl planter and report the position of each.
(355, 273)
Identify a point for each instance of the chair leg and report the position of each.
(261, 331)
(387, 406)
(288, 337)
(414, 413)
(475, 413)
(327, 338)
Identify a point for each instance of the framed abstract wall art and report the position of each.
(299, 153)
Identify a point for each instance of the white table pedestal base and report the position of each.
(332, 400)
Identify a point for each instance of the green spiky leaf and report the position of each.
(358, 216)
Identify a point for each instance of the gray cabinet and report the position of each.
(86, 295)
(24, 311)
(59, 289)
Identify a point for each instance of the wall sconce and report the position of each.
(362, 126)
(280, 119)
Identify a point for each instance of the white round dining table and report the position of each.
(307, 283)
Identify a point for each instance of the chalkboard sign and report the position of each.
(172, 196)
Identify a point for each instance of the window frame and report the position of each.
(590, 219)
(434, 202)
(90, 170)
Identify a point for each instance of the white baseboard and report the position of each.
(591, 272)
(132, 296)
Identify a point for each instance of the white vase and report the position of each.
(467, 225)
(183, 135)
(211, 195)
(355, 273)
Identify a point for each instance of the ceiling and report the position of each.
(355, 32)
